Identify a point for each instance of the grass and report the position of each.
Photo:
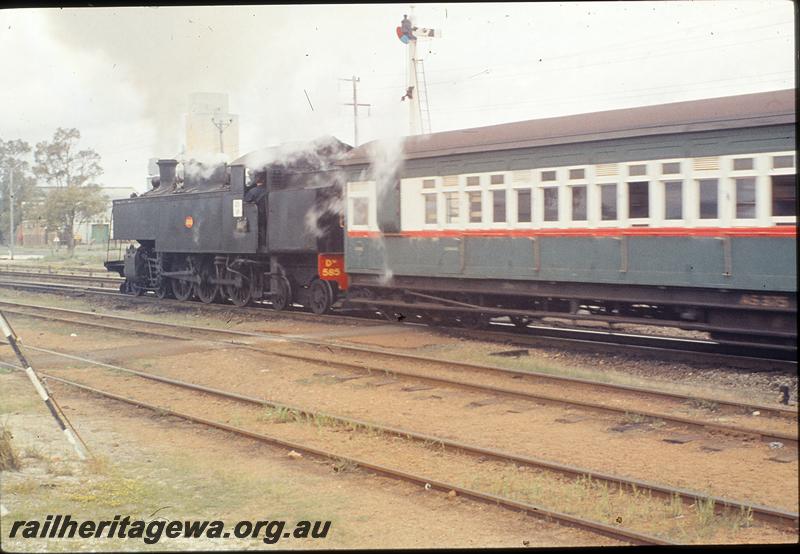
(84, 255)
(34, 452)
(59, 469)
(630, 507)
(113, 492)
(22, 488)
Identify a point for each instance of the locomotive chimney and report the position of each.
(166, 172)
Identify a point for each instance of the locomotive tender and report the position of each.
(680, 214)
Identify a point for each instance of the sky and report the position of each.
(122, 75)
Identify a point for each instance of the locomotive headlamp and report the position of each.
(188, 222)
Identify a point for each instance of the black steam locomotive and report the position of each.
(208, 234)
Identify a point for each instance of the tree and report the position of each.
(74, 197)
(12, 158)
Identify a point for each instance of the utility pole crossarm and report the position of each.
(355, 103)
(221, 125)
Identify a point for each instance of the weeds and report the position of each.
(744, 518)
(280, 414)
(675, 507)
(701, 404)
(9, 459)
(59, 469)
(34, 452)
(23, 488)
(705, 511)
(113, 492)
(324, 421)
(635, 419)
(344, 466)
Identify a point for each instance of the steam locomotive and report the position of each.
(198, 236)
(680, 214)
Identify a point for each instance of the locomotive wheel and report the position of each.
(136, 290)
(282, 297)
(240, 296)
(182, 289)
(207, 292)
(321, 297)
(164, 290)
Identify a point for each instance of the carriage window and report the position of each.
(670, 168)
(608, 202)
(576, 173)
(451, 207)
(579, 203)
(640, 169)
(548, 175)
(784, 195)
(360, 211)
(473, 181)
(430, 208)
(474, 199)
(708, 198)
(779, 162)
(638, 200)
(497, 179)
(673, 200)
(499, 201)
(524, 206)
(428, 183)
(551, 204)
(742, 164)
(746, 198)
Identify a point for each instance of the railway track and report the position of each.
(515, 384)
(74, 276)
(745, 356)
(772, 516)
(615, 532)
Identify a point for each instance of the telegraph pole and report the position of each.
(221, 125)
(11, 212)
(355, 105)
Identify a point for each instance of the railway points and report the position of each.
(440, 372)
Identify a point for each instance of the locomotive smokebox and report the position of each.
(166, 172)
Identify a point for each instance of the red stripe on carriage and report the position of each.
(778, 231)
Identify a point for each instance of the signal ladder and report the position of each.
(424, 108)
